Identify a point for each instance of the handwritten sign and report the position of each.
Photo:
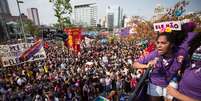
(173, 25)
(10, 54)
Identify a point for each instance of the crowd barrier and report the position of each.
(139, 94)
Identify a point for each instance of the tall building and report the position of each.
(8, 27)
(4, 12)
(33, 15)
(4, 8)
(102, 22)
(120, 16)
(85, 14)
(117, 13)
(159, 12)
(110, 20)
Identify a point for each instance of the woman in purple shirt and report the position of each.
(190, 84)
(165, 63)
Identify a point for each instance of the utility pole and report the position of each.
(22, 25)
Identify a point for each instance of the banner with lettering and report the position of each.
(19, 53)
(173, 25)
(74, 38)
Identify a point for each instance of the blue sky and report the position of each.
(143, 8)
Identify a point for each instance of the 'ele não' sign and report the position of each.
(173, 25)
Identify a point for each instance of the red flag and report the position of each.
(74, 38)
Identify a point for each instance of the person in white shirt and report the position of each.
(108, 83)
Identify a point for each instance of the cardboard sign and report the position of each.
(173, 25)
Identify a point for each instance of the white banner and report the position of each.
(8, 50)
(10, 54)
(173, 25)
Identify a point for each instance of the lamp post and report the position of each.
(22, 25)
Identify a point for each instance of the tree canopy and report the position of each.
(62, 10)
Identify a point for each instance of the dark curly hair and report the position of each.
(169, 36)
(175, 37)
(178, 37)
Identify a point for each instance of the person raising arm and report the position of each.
(190, 84)
(165, 63)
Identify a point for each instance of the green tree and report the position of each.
(30, 28)
(142, 27)
(62, 10)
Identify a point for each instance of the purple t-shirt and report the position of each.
(165, 68)
(190, 84)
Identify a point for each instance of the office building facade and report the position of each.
(33, 15)
(85, 14)
(4, 8)
(117, 14)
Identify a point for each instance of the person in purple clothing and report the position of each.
(166, 65)
(190, 84)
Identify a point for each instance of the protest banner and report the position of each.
(74, 38)
(11, 54)
(173, 25)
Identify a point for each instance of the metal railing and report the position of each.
(140, 88)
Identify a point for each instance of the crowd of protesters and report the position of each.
(66, 76)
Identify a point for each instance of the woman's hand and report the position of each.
(171, 91)
(152, 63)
(180, 59)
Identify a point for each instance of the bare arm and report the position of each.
(173, 92)
(144, 66)
(139, 65)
